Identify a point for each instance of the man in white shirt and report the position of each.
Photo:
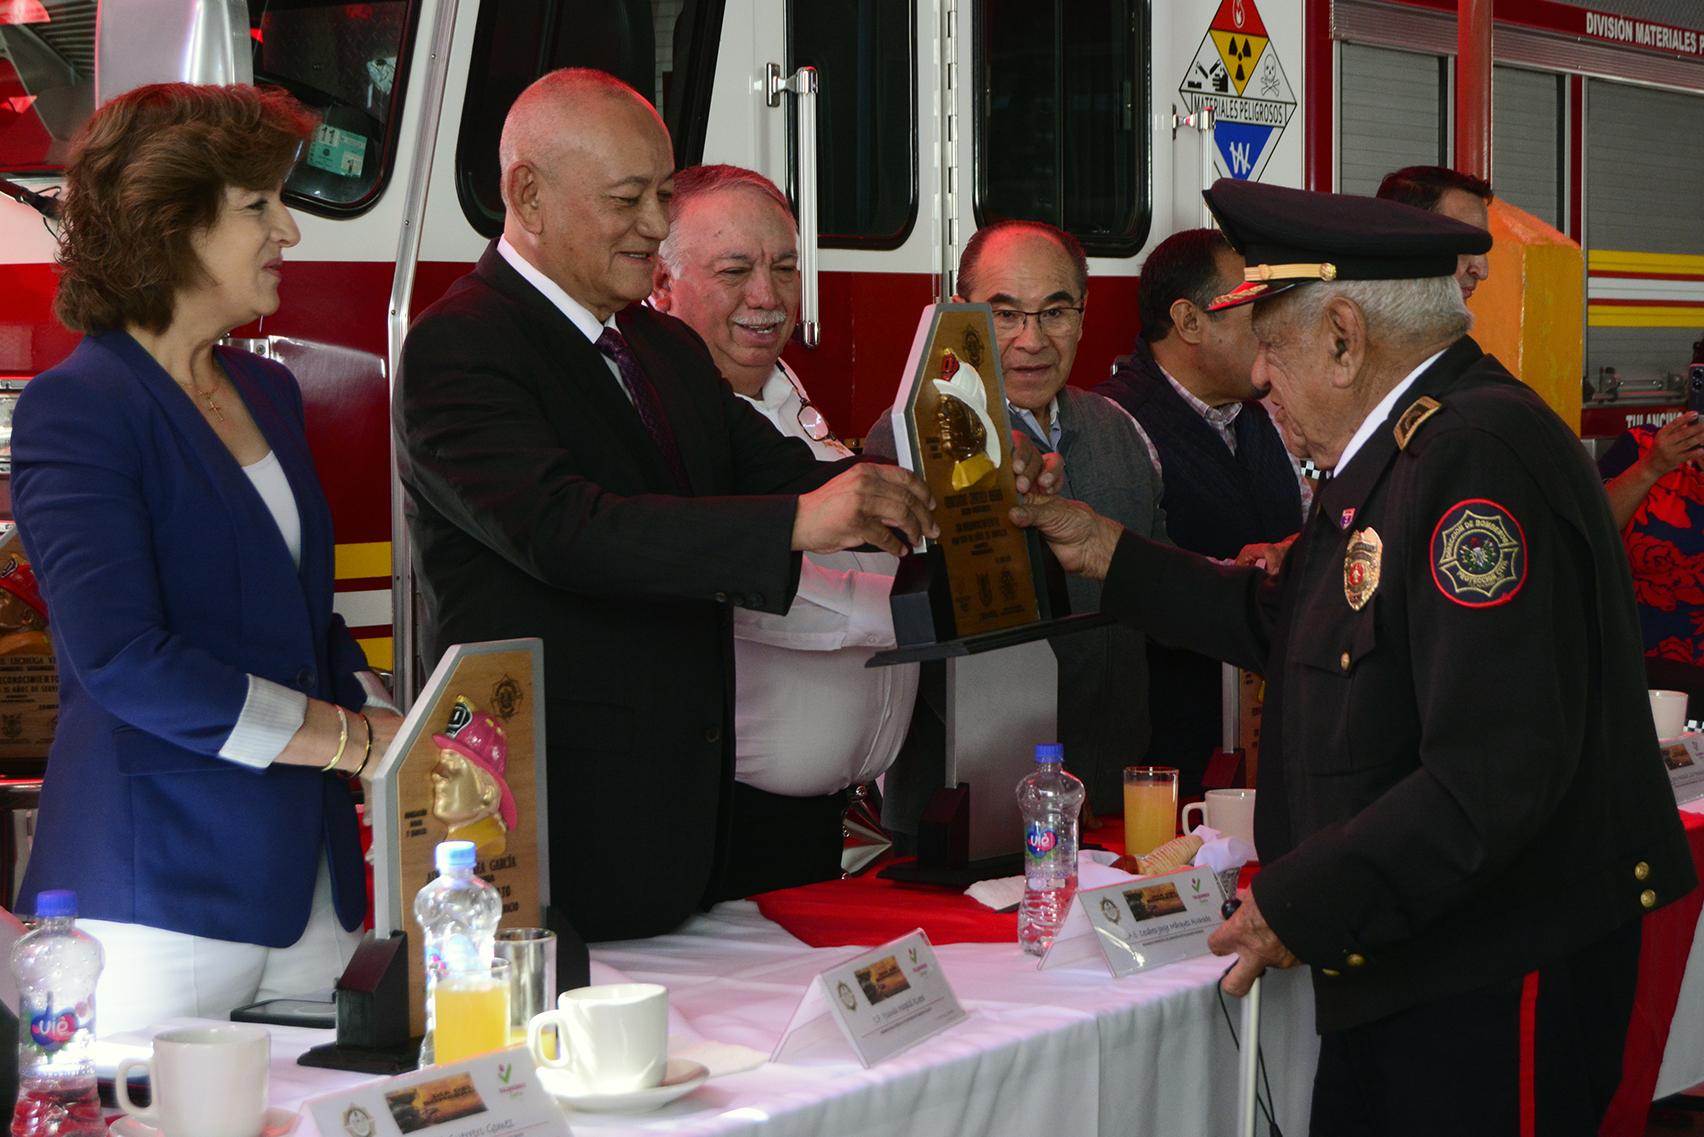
(810, 720)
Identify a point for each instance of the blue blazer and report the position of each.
(167, 583)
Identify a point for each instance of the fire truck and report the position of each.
(897, 127)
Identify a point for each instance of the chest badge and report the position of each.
(1361, 567)
(1479, 557)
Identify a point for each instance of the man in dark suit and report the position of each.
(1463, 814)
(577, 470)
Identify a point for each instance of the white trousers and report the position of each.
(152, 975)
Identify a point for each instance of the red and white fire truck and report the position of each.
(898, 126)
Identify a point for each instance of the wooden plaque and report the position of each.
(467, 765)
(950, 427)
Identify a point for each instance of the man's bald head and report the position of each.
(587, 174)
(546, 120)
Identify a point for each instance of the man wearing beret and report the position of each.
(1463, 815)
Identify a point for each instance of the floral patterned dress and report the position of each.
(1665, 549)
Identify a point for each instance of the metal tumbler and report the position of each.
(531, 953)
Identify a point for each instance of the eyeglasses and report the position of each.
(1054, 321)
(810, 419)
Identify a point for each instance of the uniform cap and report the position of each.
(1289, 237)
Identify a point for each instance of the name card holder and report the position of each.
(496, 1093)
(1139, 924)
(883, 1001)
(1684, 757)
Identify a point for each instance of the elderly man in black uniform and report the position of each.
(1462, 811)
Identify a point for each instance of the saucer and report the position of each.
(277, 1123)
(680, 1078)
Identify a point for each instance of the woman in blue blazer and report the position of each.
(212, 705)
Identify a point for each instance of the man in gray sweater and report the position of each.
(1035, 277)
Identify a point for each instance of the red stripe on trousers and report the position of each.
(1529, 1042)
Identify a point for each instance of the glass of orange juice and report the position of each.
(1150, 808)
(470, 1012)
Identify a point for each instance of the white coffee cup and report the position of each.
(614, 1038)
(207, 1081)
(1231, 812)
(1668, 711)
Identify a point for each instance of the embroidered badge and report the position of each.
(1346, 519)
(1361, 567)
(1479, 557)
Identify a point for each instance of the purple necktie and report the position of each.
(613, 344)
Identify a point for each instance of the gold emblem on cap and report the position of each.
(1262, 273)
(1361, 567)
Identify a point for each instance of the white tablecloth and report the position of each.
(1070, 1052)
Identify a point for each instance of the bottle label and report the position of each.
(1040, 839)
(51, 1030)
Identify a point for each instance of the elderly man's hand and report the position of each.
(1033, 471)
(1082, 539)
(1268, 555)
(863, 506)
(1256, 946)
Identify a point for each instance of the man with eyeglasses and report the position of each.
(1035, 277)
(810, 720)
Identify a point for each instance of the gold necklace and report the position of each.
(204, 396)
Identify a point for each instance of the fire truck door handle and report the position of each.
(803, 87)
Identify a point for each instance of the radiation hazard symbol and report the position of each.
(1237, 72)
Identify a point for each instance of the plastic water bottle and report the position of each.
(1051, 802)
(458, 914)
(57, 965)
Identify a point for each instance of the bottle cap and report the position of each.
(455, 855)
(1048, 752)
(56, 902)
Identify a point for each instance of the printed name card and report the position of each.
(1684, 757)
(497, 1093)
(883, 1001)
(1138, 924)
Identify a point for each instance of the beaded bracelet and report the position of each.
(342, 740)
(367, 754)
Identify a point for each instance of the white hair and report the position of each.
(1419, 311)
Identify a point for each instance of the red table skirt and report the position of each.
(866, 910)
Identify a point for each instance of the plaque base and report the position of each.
(989, 641)
(943, 846)
(922, 598)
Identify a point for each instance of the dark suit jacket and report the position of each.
(1459, 780)
(167, 583)
(537, 507)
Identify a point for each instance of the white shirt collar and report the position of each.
(578, 314)
(1379, 413)
(1048, 430)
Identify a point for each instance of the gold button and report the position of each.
(1641, 871)
(1355, 959)
(1328, 971)
(1648, 898)
(1343, 661)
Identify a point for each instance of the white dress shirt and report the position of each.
(809, 717)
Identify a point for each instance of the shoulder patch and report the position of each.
(1418, 412)
(1479, 554)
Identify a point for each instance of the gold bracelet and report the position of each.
(342, 740)
(367, 754)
